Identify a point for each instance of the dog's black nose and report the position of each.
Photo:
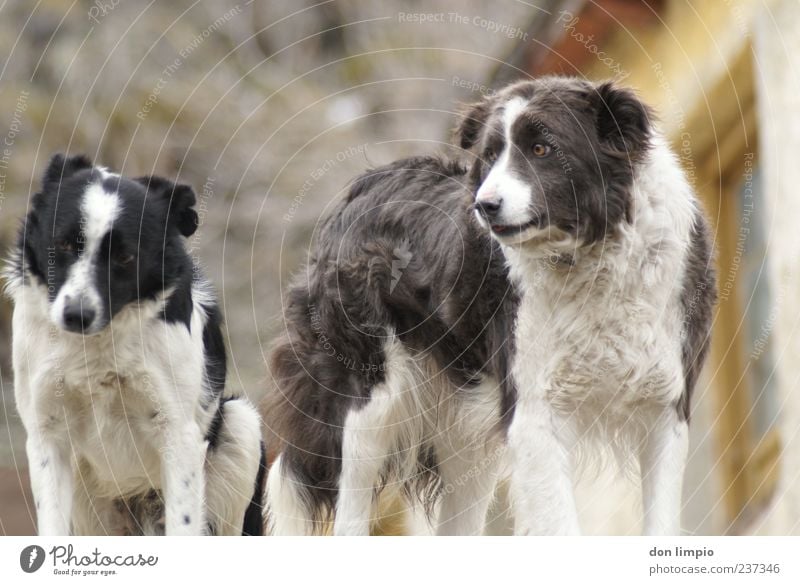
(78, 317)
(488, 208)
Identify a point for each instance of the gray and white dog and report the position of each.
(555, 293)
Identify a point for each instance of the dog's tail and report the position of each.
(254, 516)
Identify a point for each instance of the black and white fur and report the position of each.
(119, 364)
(458, 324)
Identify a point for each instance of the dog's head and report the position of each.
(99, 242)
(554, 159)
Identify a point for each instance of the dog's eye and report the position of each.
(125, 259)
(66, 246)
(541, 150)
(490, 155)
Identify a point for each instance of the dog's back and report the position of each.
(399, 260)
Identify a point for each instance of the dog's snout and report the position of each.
(488, 208)
(78, 316)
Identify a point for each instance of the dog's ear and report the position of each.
(180, 200)
(623, 121)
(59, 168)
(62, 167)
(471, 123)
(181, 209)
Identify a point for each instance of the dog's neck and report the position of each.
(528, 261)
(532, 269)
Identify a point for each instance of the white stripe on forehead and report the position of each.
(502, 183)
(99, 209)
(511, 112)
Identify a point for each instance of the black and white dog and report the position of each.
(119, 364)
(458, 324)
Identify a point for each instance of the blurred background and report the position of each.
(269, 107)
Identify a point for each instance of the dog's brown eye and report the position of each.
(541, 149)
(490, 155)
(66, 246)
(126, 259)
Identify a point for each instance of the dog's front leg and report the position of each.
(52, 483)
(182, 479)
(663, 461)
(541, 478)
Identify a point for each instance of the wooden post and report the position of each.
(777, 72)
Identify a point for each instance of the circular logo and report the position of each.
(31, 558)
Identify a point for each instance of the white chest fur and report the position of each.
(598, 357)
(107, 396)
(600, 339)
(588, 345)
